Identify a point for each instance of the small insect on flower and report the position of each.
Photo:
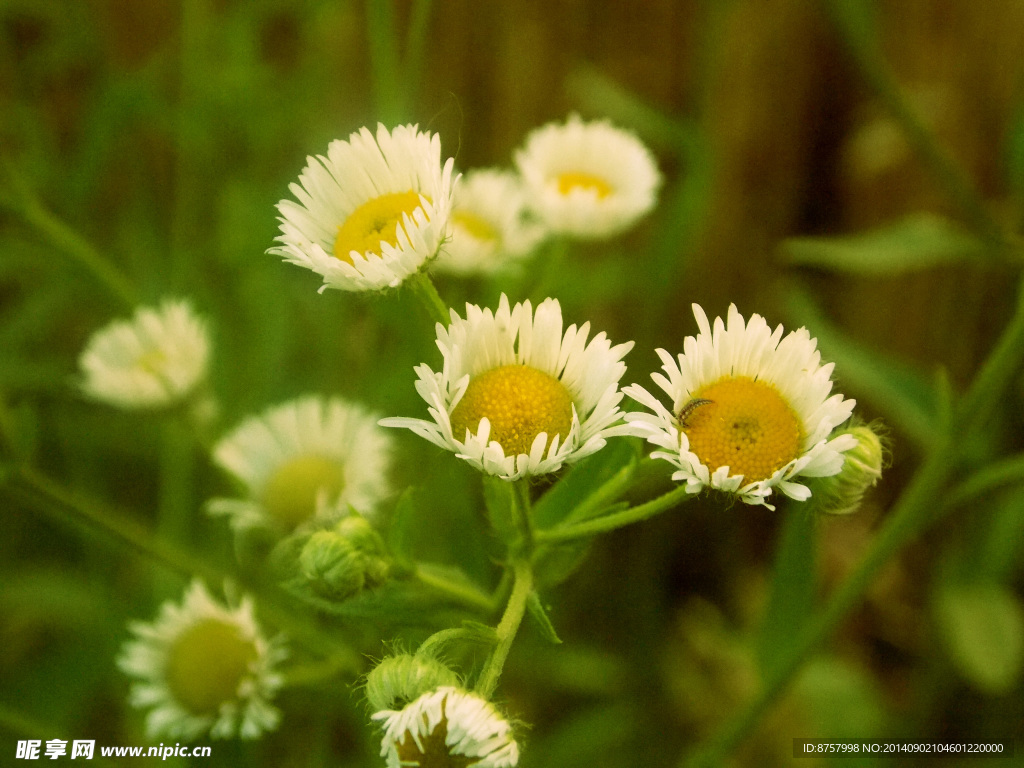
(683, 417)
(752, 410)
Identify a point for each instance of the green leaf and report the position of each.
(792, 589)
(540, 617)
(590, 486)
(919, 241)
(982, 628)
(842, 700)
(500, 500)
(902, 392)
(400, 535)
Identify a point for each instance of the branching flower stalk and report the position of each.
(507, 628)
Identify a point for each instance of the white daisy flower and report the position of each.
(372, 212)
(201, 667)
(156, 359)
(515, 395)
(751, 410)
(588, 180)
(305, 460)
(447, 728)
(491, 228)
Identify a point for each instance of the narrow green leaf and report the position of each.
(540, 616)
(919, 241)
(982, 628)
(903, 392)
(792, 590)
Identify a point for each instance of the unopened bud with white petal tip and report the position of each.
(843, 493)
(403, 678)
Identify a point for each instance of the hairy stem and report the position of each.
(507, 628)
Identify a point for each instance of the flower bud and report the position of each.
(357, 530)
(862, 466)
(400, 679)
(340, 562)
(332, 565)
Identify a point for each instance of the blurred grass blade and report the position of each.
(903, 393)
(919, 241)
(388, 93)
(792, 589)
(602, 95)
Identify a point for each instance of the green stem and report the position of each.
(466, 594)
(174, 504)
(67, 240)
(613, 521)
(507, 628)
(65, 507)
(426, 291)
(862, 45)
(524, 519)
(429, 647)
(605, 495)
(551, 261)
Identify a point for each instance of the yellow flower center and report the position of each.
(374, 223)
(152, 361)
(745, 425)
(291, 493)
(571, 180)
(432, 750)
(520, 402)
(475, 225)
(206, 663)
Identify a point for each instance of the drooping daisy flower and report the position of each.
(516, 396)
(201, 667)
(447, 728)
(156, 359)
(305, 460)
(372, 212)
(491, 228)
(751, 410)
(588, 180)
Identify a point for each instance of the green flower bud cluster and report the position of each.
(842, 494)
(397, 680)
(342, 561)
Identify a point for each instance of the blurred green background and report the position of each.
(158, 136)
